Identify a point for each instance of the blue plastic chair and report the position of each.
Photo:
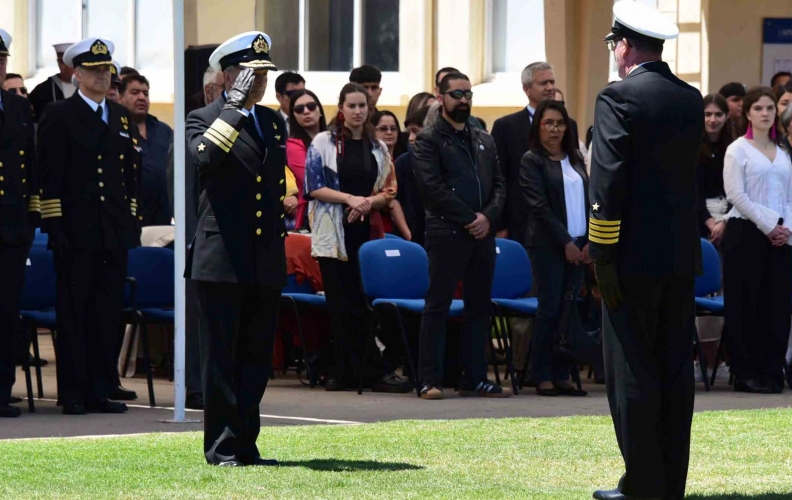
(149, 298)
(707, 305)
(38, 308)
(295, 295)
(511, 282)
(40, 239)
(389, 236)
(395, 275)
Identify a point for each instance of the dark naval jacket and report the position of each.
(647, 134)
(241, 163)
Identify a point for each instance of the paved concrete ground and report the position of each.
(287, 402)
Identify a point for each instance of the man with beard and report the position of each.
(56, 87)
(89, 211)
(237, 258)
(644, 239)
(457, 171)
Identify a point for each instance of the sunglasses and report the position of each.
(551, 125)
(385, 129)
(458, 94)
(18, 90)
(613, 43)
(311, 106)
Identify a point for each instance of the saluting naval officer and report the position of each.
(237, 257)
(19, 216)
(89, 211)
(645, 242)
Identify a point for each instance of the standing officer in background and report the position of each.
(55, 88)
(89, 211)
(19, 216)
(644, 239)
(237, 257)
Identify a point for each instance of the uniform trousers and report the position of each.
(90, 297)
(237, 326)
(452, 258)
(12, 270)
(648, 348)
(757, 284)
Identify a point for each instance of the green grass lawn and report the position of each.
(749, 452)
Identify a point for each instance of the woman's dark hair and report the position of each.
(295, 129)
(418, 101)
(725, 137)
(751, 97)
(352, 88)
(378, 116)
(568, 143)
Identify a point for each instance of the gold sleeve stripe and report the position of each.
(217, 142)
(593, 232)
(55, 201)
(605, 222)
(50, 210)
(594, 227)
(218, 136)
(603, 242)
(225, 130)
(50, 215)
(35, 197)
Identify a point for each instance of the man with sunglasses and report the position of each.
(15, 84)
(457, 171)
(645, 243)
(285, 85)
(19, 216)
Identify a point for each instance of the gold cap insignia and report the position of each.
(99, 48)
(260, 45)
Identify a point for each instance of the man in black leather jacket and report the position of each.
(457, 171)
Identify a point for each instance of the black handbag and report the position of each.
(578, 338)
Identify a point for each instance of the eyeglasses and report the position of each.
(311, 106)
(385, 129)
(459, 94)
(18, 90)
(289, 93)
(551, 125)
(613, 43)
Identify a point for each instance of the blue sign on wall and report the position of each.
(778, 31)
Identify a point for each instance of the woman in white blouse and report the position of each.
(554, 185)
(757, 177)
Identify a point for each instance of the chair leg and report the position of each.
(406, 343)
(26, 369)
(308, 370)
(702, 359)
(132, 341)
(576, 377)
(505, 328)
(718, 356)
(147, 359)
(493, 348)
(37, 358)
(527, 361)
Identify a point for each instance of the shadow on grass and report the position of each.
(331, 465)
(738, 496)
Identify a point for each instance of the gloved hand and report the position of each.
(238, 95)
(608, 284)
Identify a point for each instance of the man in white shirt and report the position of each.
(56, 87)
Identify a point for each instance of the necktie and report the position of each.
(99, 112)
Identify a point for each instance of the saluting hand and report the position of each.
(238, 95)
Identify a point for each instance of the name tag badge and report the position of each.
(124, 134)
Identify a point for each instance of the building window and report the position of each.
(516, 34)
(332, 35)
(58, 21)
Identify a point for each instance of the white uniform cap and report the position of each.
(5, 42)
(636, 20)
(61, 48)
(249, 50)
(90, 52)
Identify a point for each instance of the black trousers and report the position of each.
(192, 344)
(648, 347)
(90, 298)
(12, 271)
(549, 265)
(452, 258)
(757, 284)
(237, 335)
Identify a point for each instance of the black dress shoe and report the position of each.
(334, 385)
(9, 412)
(194, 401)
(571, 391)
(106, 406)
(73, 408)
(618, 495)
(751, 386)
(264, 462)
(121, 394)
(231, 463)
(551, 393)
(14, 400)
(20, 361)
